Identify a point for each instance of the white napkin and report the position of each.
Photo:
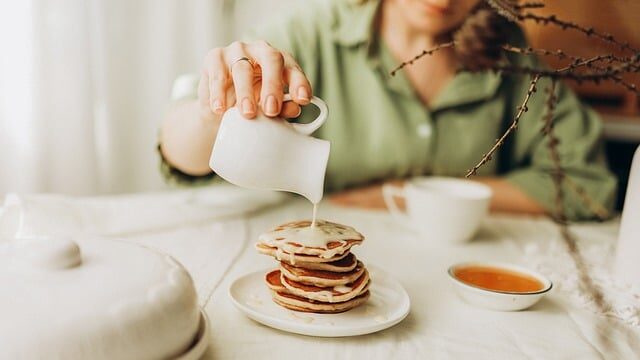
(57, 215)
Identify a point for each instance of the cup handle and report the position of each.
(308, 129)
(389, 193)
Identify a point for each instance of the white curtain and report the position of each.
(84, 85)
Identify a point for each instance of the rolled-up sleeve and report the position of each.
(579, 130)
(185, 88)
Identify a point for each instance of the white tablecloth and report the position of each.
(439, 325)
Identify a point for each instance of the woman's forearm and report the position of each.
(506, 197)
(186, 138)
(509, 198)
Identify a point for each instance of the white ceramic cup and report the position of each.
(272, 153)
(445, 210)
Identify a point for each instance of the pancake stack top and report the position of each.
(318, 272)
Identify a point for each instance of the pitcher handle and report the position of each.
(308, 129)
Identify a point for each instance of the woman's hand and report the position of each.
(251, 76)
(369, 197)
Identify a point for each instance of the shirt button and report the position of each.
(424, 130)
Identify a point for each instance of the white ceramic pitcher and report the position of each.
(626, 264)
(272, 153)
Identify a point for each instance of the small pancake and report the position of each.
(346, 264)
(327, 294)
(287, 237)
(273, 281)
(294, 259)
(320, 277)
(297, 303)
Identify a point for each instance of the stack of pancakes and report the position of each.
(312, 278)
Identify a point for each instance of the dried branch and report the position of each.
(595, 207)
(512, 12)
(514, 124)
(529, 5)
(610, 58)
(505, 8)
(569, 73)
(589, 31)
(560, 216)
(632, 64)
(627, 63)
(423, 53)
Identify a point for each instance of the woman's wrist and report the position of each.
(509, 198)
(186, 138)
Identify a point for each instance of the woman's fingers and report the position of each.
(248, 74)
(299, 86)
(218, 77)
(290, 110)
(242, 74)
(204, 95)
(271, 63)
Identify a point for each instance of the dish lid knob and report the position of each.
(49, 253)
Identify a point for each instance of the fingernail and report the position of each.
(247, 107)
(303, 94)
(271, 106)
(217, 105)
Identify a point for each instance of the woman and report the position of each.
(427, 120)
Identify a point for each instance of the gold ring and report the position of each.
(244, 58)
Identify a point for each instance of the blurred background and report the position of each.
(84, 84)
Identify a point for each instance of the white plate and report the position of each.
(387, 306)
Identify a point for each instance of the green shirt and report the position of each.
(380, 129)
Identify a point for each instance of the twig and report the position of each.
(423, 53)
(514, 124)
(560, 54)
(595, 207)
(505, 8)
(589, 31)
(568, 73)
(560, 216)
(529, 5)
(512, 12)
(605, 73)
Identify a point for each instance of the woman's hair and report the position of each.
(480, 37)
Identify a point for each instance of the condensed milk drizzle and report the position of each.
(290, 238)
(313, 216)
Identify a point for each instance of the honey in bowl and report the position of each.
(498, 279)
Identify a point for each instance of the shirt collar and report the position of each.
(466, 88)
(354, 26)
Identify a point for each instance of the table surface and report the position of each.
(212, 232)
(440, 325)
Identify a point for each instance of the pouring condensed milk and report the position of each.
(317, 272)
(272, 153)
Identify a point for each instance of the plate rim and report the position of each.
(314, 330)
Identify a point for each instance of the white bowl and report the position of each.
(499, 300)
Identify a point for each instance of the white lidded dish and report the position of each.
(96, 299)
(497, 299)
